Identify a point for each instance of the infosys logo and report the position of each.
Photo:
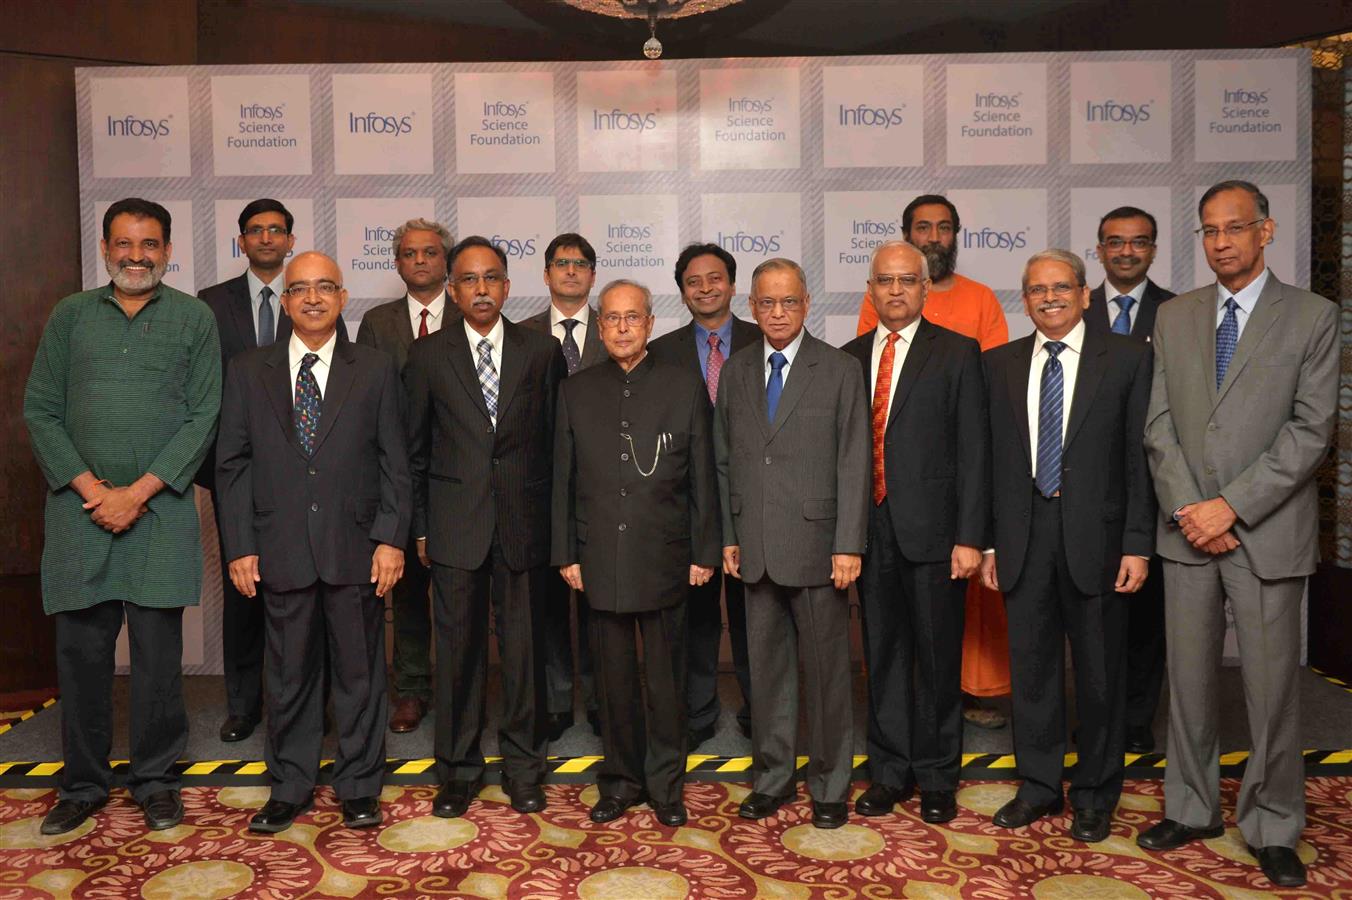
(873, 228)
(131, 126)
(988, 238)
(627, 232)
(995, 100)
(375, 123)
(1243, 95)
(865, 116)
(748, 242)
(261, 111)
(515, 248)
(1121, 113)
(620, 120)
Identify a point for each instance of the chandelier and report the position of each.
(652, 10)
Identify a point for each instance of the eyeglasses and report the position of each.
(788, 304)
(1137, 243)
(560, 263)
(631, 318)
(1039, 292)
(490, 279)
(1233, 230)
(325, 289)
(909, 282)
(258, 230)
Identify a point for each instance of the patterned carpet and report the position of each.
(495, 853)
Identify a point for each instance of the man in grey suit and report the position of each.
(570, 271)
(1241, 414)
(791, 439)
(421, 248)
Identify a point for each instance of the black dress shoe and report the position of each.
(829, 815)
(1168, 835)
(1019, 812)
(761, 806)
(68, 815)
(671, 815)
(277, 815)
(364, 812)
(697, 736)
(1140, 740)
(454, 798)
(237, 728)
(1281, 865)
(556, 724)
(937, 807)
(526, 798)
(1091, 825)
(879, 799)
(162, 810)
(608, 809)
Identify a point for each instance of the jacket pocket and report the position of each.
(363, 509)
(819, 509)
(447, 478)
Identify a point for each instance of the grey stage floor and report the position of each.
(1326, 724)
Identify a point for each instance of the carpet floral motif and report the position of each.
(495, 853)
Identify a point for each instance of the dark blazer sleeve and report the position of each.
(417, 391)
(705, 529)
(563, 525)
(366, 332)
(396, 495)
(1138, 534)
(854, 464)
(722, 457)
(974, 451)
(234, 476)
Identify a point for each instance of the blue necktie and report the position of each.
(305, 412)
(1049, 422)
(1122, 324)
(1227, 336)
(775, 387)
(267, 324)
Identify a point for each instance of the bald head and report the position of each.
(898, 284)
(314, 297)
(311, 265)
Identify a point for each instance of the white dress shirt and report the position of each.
(789, 353)
(1070, 367)
(434, 311)
(1246, 299)
(556, 319)
(256, 298)
(907, 337)
(1110, 294)
(296, 351)
(494, 337)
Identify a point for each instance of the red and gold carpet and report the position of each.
(495, 853)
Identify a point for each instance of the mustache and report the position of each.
(1125, 260)
(1051, 305)
(139, 263)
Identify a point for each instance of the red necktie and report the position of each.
(422, 326)
(882, 395)
(713, 367)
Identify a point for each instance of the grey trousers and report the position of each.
(1270, 810)
(784, 625)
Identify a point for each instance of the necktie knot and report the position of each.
(892, 338)
(1231, 305)
(266, 293)
(485, 347)
(308, 361)
(569, 325)
(714, 341)
(1125, 302)
(1054, 348)
(778, 361)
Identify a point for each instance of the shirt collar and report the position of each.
(1247, 295)
(789, 352)
(494, 335)
(582, 315)
(296, 349)
(110, 294)
(434, 309)
(1110, 293)
(1073, 341)
(256, 285)
(907, 334)
(723, 331)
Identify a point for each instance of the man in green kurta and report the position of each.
(121, 406)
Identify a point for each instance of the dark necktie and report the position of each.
(571, 354)
(775, 387)
(714, 367)
(488, 377)
(1227, 336)
(422, 324)
(267, 322)
(1122, 324)
(1049, 411)
(305, 412)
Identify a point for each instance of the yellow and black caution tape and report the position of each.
(1333, 680)
(8, 719)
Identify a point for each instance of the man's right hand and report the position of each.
(988, 576)
(732, 561)
(422, 553)
(573, 575)
(244, 575)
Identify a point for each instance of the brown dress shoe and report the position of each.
(408, 712)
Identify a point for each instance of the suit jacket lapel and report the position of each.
(1022, 361)
(799, 377)
(1097, 314)
(462, 360)
(513, 365)
(916, 356)
(755, 374)
(342, 371)
(593, 350)
(1093, 359)
(1265, 313)
(278, 388)
(685, 338)
(403, 325)
(241, 312)
(1204, 320)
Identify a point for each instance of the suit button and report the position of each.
(626, 392)
(623, 492)
(495, 461)
(311, 470)
(624, 456)
(1211, 470)
(314, 507)
(624, 423)
(767, 460)
(1210, 426)
(490, 429)
(623, 526)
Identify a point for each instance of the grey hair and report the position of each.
(626, 282)
(1056, 254)
(1260, 200)
(892, 245)
(425, 225)
(776, 264)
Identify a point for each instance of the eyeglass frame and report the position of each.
(1137, 243)
(1233, 230)
(324, 288)
(630, 318)
(272, 230)
(560, 263)
(1060, 291)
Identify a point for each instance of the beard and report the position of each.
(942, 263)
(135, 284)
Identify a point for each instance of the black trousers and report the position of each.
(913, 619)
(704, 613)
(1145, 648)
(1044, 609)
(242, 640)
(560, 671)
(350, 621)
(411, 609)
(86, 643)
(642, 752)
(461, 600)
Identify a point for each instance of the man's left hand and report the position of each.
(1203, 522)
(1131, 574)
(117, 510)
(387, 567)
(964, 562)
(845, 569)
(700, 575)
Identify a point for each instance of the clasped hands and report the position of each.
(1207, 525)
(115, 509)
